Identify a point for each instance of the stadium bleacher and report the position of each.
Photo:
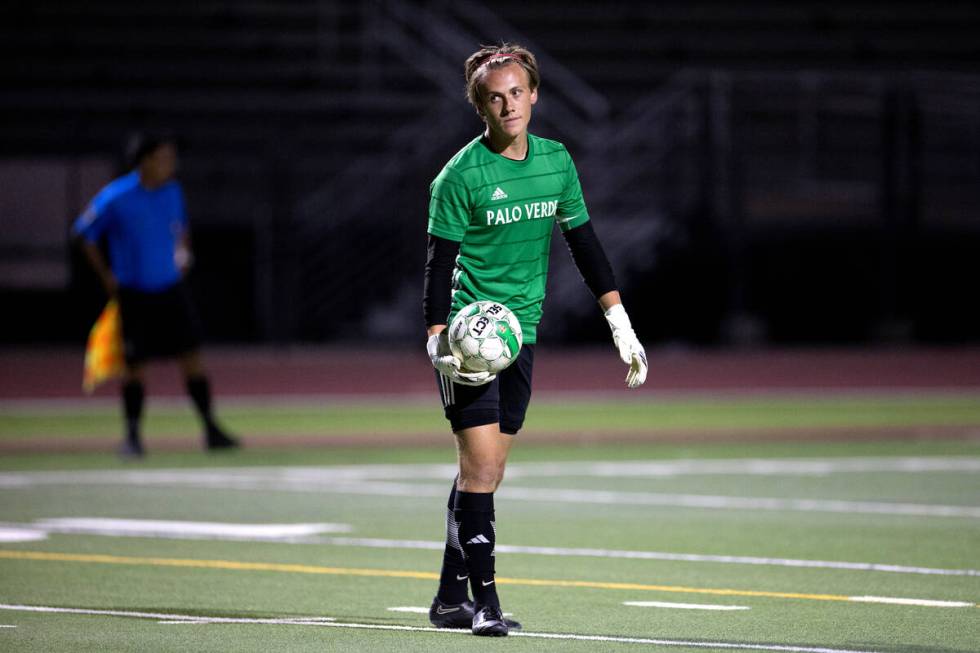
(312, 127)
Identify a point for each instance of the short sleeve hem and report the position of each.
(436, 230)
(570, 222)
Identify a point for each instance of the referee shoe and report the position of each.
(216, 439)
(458, 615)
(130, 450)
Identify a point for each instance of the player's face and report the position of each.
(160, 165)
(507, 99)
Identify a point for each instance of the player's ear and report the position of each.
(534, 96)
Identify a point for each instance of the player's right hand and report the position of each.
(448, 365)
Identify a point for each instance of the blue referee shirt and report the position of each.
(142, 228)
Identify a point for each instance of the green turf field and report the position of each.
(792, 546)
(568, 414)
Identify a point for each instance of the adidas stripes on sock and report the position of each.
(477, 534)
(453, 585)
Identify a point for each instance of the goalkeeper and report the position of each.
(491, 212)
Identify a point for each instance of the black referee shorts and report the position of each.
(504, 400)
(159, 324)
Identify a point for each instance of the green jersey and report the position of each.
(501, 213)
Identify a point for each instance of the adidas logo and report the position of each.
(499, 194)
(479, 539)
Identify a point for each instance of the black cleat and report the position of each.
(458, 615)
(218, 439)
(490, 622)
(451, 615)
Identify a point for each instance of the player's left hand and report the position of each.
(630, 350)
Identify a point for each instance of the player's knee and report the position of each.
(478, 483)
(500, 474)
(481, 478)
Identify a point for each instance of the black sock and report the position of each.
(477, 534)
(453, 587)
(132, 394)
(200, 391)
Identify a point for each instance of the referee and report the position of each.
(142, 219)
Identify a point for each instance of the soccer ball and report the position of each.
(485, 337)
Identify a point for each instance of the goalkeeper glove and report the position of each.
(630, 350)
(448, 365)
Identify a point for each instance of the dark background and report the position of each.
(761, 174)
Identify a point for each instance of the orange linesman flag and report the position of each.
(104, 351)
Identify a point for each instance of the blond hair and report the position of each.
(491, 57)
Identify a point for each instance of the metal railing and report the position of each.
(740, 153)
(355, 235)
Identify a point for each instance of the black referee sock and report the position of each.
(453, 587)
(200, 391)
(133, 394)
(477, 535)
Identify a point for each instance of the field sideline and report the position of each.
(825, 513)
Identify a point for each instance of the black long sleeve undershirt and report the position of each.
(437, 295)
(584, 245)
(590, 259)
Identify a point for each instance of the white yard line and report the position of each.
(381, 543)
(187, 529)
(718, 502)
(299, 621)
(738, 560)
(110, 613)
(417, 609)
(239, 481)
(363, 480)
(313, 621)
(21, 533)
(922, 602)
(684, 606)
(791, 467)
(750, 467)
(275, 622)
(89, 526)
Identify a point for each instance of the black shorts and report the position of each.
(502, 401)
(158, 324)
